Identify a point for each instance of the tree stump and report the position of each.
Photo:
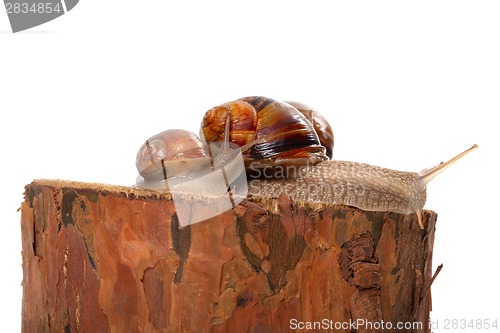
(99, 258)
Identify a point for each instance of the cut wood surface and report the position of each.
(100, 258)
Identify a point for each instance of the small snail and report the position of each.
(276, 135)
(172, 152)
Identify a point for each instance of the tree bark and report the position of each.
(100, 258)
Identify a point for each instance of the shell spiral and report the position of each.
(287, 136)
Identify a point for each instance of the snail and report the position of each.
(172, 152)
(275, 135)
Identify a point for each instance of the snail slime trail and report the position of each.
(283, 152)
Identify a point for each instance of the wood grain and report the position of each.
(99, 258)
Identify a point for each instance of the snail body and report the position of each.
(361, 185)
(274, 136)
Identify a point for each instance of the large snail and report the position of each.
(283, 153)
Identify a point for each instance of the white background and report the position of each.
(405, 85)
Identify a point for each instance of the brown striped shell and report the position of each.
(288, 138)
(321, 125)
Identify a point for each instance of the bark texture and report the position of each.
(102, 258)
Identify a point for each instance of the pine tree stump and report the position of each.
(100, 258)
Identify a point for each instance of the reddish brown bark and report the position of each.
(112, 259)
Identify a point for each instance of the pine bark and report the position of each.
(99, 258)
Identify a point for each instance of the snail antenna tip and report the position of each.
(426, 175)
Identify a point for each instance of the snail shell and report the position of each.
(172, 153)
(321, 125)
(286, 136)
